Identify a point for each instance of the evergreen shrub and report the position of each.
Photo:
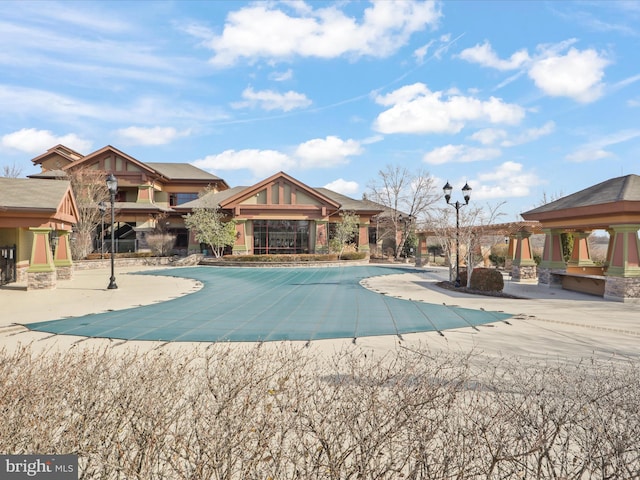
(483, 279)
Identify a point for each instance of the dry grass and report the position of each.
(285, 413)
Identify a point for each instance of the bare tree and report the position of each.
(161, 240)
(474, 221)
(11, 171)
(407, 196)
(89, 189)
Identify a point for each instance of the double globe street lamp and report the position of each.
(112, 185)
(447, 196)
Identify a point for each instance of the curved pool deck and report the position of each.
(245, 304)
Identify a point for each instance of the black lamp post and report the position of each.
(112, 185)
(447, 196)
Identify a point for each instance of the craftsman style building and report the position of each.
(282, 215)
(277, 215)
(146, 191)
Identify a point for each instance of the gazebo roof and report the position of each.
(616, 200)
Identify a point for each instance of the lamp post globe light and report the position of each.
(112, 185)
(467, 196)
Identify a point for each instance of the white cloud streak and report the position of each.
(149, 136)
(270, 100)
(459, 154)
(597, 149)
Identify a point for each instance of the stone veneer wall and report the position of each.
(121, 262)
(622, 289)
(41, 280)
(524, 272)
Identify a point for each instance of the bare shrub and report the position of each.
(161, 244)
(277, 411)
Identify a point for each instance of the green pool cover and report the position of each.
(245, 304)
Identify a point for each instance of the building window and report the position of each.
(280, 236)
(180, 198)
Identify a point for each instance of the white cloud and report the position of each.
(316, 153)
(344, 187)
(596, 149)
(41, 103)
(327, 152)
(577, 75)
(489, 136)
(588, 155)
(260, 162)
(416, 109)
(420, 53)
(149, 136)
(281, 76)
(270, 100)
(459, 154)
(268, 30)
(507, 180)
(530, 135)
(487, 57)
(34, 141)
(372, 139)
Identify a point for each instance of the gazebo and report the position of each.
(614, 206)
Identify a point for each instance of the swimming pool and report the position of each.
(245, 304)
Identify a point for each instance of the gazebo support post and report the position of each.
(623, 274)
(552, 258)
(524, 266)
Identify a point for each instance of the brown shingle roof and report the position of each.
(350, 204)
(182, 171)
(30, 193)
(211, 198)
(55, 174)
(614, 190)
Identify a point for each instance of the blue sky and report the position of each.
(520, 99)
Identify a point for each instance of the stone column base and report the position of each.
(521, 273)
(64, 273)
(622, 289)
(41, 280)
(548, 279)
